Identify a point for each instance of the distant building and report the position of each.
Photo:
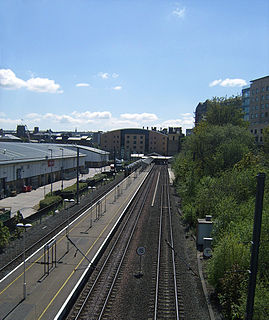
(246, 102)
(174, 140)
(200, 112)
(124, 142)
(259, 107)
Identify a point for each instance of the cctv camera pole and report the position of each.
(255, 245)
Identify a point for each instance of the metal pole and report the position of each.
(255, 245)
(24, 267)
(77, 175)
(50, 171)
(62, 173)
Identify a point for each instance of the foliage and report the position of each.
(4, 236)
(49, 200)
(215, 174)
(221, 111)
(73, 188)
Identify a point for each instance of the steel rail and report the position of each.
(172, 243)
(142, 195)
(54, 231)
(165, 201)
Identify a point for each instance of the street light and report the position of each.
(25, 226)
(67, 229)
(62, 169)
(50, 170)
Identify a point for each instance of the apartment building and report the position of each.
(258, 107)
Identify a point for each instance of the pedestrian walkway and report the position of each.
(28, 202)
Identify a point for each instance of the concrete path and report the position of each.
(28, 202)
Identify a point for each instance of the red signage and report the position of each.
(50, 163)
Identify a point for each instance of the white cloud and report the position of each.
(8, 80)
(180, 13)
(106, 75)
(43, 85)
(82, 85)
(103, 75)
(117, 88)
(214, 83)
(228, 83)
(92, 115)
(139, 116)
(185, 120)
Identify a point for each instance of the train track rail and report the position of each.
(167, 302)
(59, 225)
(95, 300)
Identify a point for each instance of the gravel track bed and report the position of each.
(44, 226)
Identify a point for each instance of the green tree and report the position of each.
(4, 236)
(222, 111)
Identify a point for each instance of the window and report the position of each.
(257, 90)
(267, 88)
(262, 106)
(260, 139)
(267, 97)
(257, 99)
(256, 115)
(134, 137)
(253, 91)
(262, 97)
(266, 114)
(261, 131)
(266, 105)
(255, 131)
(263, 89)
(262, 115)
(257, 107)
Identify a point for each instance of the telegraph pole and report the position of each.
(255, 245)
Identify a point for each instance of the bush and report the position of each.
(49, 200)
(4, 236)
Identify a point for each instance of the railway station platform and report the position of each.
(55, 271)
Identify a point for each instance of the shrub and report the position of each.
(49, 200)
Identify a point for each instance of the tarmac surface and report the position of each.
(53, 272)
(28, 202)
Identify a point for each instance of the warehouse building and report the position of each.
(95, 158)
(30, 165)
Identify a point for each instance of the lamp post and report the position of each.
(25, 226)
(50, 170)
(67, 229)
(62, 169)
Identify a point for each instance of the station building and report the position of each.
(34, 165)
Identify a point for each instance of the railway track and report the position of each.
(114, 290)
(167, 302)
(34, 244)
(97, 296)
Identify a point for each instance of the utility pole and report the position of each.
(255, 245)
(77, 175)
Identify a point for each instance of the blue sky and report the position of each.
(107, 64)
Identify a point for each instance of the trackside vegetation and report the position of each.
(216, 175)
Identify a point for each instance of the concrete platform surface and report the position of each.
(52, 274)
